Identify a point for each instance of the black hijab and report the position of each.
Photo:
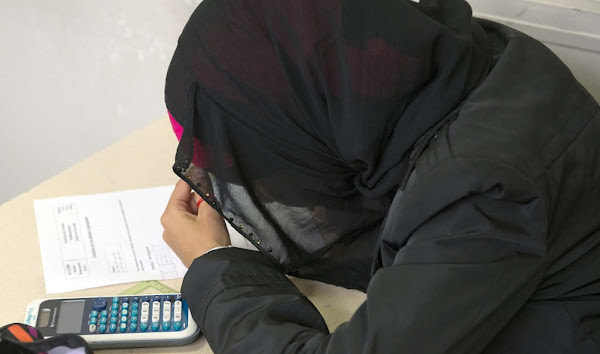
(299, 117)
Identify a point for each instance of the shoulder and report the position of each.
(528, 110)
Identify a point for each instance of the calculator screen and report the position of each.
(69, 318)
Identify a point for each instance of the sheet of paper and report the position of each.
(102, 239)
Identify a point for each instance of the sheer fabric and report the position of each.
(299, 117)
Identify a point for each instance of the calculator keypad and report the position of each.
(159, 313)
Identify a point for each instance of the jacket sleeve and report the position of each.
(460, 254)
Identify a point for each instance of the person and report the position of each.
(448, 166)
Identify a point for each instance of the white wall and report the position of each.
(77, 75)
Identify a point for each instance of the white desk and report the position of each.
(143, 159)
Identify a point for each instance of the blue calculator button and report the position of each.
(116, 299)
(177, 325)
(102, 320)
(166, 326)
(123, 327)
(99, 304)
(93, 320)
(135, 305)
(123, 318)
(114, 313)
(112, 328)
(102, 328)
(134, 319)
(133, 327)
(124, 312)
(125, 305)
(104, 313)
(134, 312)
(155, 326)
(113, 320)
(115, 306)
(94, 313)
(143, 327)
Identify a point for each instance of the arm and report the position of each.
(462, 271)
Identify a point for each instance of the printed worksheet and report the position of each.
(101, 239)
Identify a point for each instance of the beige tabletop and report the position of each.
(143, 159)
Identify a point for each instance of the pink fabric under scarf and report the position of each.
(201, 158)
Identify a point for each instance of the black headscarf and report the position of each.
(299, 117)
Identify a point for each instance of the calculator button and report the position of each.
(116, 299)
(134, 305)
(166, 326)
(144, 326)
(113, 319)
(123, 327)
(114, 313)
(125, 305)
(104, 313)
(93, 320)
(155, 326)
(177, 317)
(166, 311)
(92, 328)
(94, 313)
(155, 307)
(102, 328)
(112, 328)
(144, 318)
(99, 304)
(134, 312)
(123, 318)
(124, 312)
(177, 325)
(102, 320)
(133, 327)
(134, 319)
(115, 306)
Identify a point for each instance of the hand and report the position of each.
(190, 230)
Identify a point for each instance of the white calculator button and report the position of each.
(154, 318)
(92, 328)
(177, 318)
(145, 310)
(166, 311)
(177, 304)
(144, 318)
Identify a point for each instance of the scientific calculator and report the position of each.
(116, 321)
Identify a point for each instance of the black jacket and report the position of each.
(494, 246)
